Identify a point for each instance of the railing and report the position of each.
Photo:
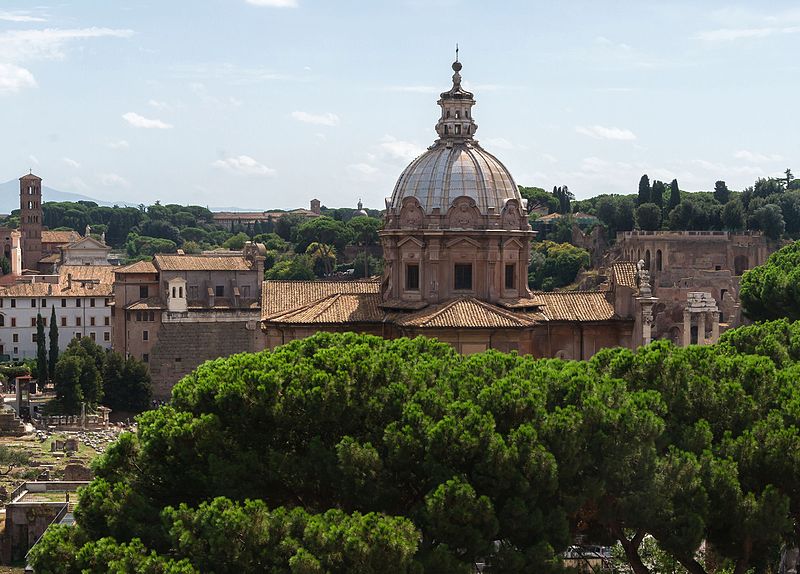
(641, 233)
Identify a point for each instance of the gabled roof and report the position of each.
(279, 297)
(70, 236)
(73, 281)
(576, 305)
(87, 242)
(337, 308)
(624, 273)
(201, 263)
(137, 267)
(466, 313)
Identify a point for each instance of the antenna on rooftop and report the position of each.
(456, 51)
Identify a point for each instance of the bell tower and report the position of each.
(30, 220)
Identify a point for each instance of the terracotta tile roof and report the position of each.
(87, 281)
(624, 273)
(519, 303)
(576, 305)
(404, 305)
(149, 303)
(337, 308)
(137, 267)
(70, 236)
(279, 297)
(201, 263)
(52, 258)
(466, 313)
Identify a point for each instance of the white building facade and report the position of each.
(81, 297)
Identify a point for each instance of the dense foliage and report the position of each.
(771, 205)
(87, 373)
(408, 457)
(772, 290)
(555, 265)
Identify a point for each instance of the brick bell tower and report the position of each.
(30, 220)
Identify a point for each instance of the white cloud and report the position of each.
(138, 121)
(733, 34)
(499, 143)
(274, 3)
(113, 180)
(605, 133)
(363, 168)
(70, 162)
(119, 144)
(48, 43)
(326, 119)
(159, 105)
(754, 157)
(400, 149)
(20, 16)
(14, 78)
(243, 165)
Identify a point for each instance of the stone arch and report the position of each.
(740, 264)
(658, 260)
(647, 259)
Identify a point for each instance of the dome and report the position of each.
(456, 165)
(447, 172)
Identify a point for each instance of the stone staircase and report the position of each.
(10, 423)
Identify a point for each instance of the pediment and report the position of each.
(412, 240)
(459, 240)
(512, 243)
(88, 243)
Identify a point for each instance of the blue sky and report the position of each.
(268, 103)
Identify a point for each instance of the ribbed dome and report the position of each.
(444, 173)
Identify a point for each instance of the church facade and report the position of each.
(456, 242)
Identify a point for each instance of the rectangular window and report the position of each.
(510, 272)
(412, 277)
(91, 302)
(106, 321)
(33, 303)
(219, 290)
(44, 303)
(15, 338)
(16, 350)
(145, 335)
(1, 304)
(77, 321)
(145, 358)
(92, 336)
(13, 321)
(33, 321)
(13, 303)
(151, 316)
(138, 315)
(142, 291)
(462, 277)
(77, 302)
(91, 321)
(106, 336)
(63, 302)
(77, 335)
(63, 321)
(33, 338)
(107, 302)
(246, 291)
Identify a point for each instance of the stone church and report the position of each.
(456, 242)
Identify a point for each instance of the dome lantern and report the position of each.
(456, 123)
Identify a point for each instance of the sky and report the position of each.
(269, 103)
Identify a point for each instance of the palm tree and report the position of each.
(324, 253)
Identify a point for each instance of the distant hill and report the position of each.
(9, 196)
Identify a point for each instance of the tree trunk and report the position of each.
(692, 565)
(631, 548)
(743, 563)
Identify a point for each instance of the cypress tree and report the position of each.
(41, 351)
(657, 195)
(53, 355)
(721, 192)
(674, 195)
(644, 190)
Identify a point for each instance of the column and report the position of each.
(714, 326)
(647, 323)
(701, 328)
(687, 328)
